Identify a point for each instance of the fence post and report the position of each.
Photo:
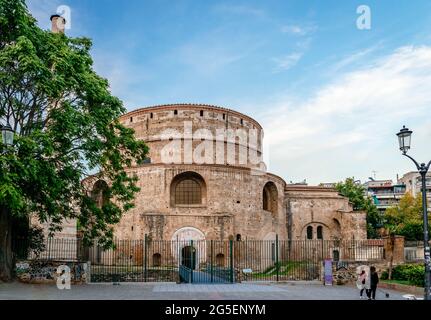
(231, 260)
(49, 249)
(211, 263)
(191, 261)
(145, 258)
(276, 257)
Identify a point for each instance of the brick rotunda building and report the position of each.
(204, 179)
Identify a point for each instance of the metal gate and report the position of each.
(202, 261)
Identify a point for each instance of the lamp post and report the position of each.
(6, 135)
(404, 139)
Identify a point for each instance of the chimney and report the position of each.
(57, 23)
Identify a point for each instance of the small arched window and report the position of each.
(269, 197)
(100, 193)
(319, 232)
(157, 260)
(309, 232)
(220, 260)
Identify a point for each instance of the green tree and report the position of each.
(406, 218)
(66, 125)
(357, 196)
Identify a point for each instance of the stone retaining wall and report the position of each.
(43, 271)
(345, 271)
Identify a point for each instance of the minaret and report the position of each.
(57, 23)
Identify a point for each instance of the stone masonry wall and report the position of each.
(45, 272)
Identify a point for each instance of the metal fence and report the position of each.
(414, 251)
(59, 249)
(207, 261)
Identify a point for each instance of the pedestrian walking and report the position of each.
(374, 280)
(360, 283)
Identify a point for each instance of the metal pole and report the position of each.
(276, 256)
(211, 265)
(426, 237)
(231, 260)
(145, 258)
(191, 261)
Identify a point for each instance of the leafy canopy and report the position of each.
(357, 196)
(406, 218)
(66, 125)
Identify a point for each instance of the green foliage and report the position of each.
(413, 273)
(36, 240)
(406, 218)
(32, 242)
(356, 195)
(66, 124)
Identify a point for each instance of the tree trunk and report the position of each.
(391, 261)
(6, 256)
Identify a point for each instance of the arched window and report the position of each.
(188, 191)
(157, 260)
(220, 260)
(100, 193)
(309, 232)
(269, 197)
(319, 232)
(336, 255)
(188, 188)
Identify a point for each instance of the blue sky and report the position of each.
(330, 96)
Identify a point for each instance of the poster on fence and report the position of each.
(328, 272)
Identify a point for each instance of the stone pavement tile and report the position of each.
(168, 291)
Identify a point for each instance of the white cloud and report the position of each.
(286, 62)
(353, 58)
(352, 120)
(297, 30)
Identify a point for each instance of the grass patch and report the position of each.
(404, 282)
(286, 268)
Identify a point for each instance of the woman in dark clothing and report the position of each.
(374, 280)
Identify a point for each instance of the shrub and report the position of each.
(413, 273)
(384, 275)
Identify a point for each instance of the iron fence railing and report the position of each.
(205, 261)
(67, 249)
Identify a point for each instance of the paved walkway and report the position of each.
(171, 291)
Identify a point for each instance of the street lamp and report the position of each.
(404, 139)
(6, 135)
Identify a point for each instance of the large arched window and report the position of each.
(188, 189)
(269, 197)
(100, 193)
